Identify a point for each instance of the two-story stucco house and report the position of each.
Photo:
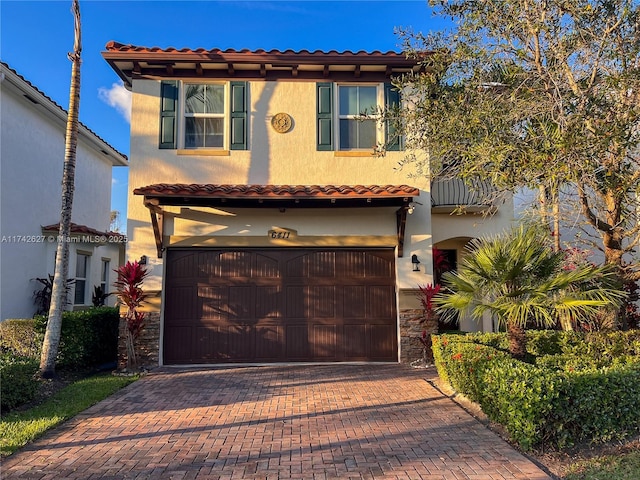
(32, 157)
(272, 232)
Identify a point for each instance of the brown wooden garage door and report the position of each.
(279, 305)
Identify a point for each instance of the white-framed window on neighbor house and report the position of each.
(341, 110)
(81, 277)
(104, 275)
(203, 116)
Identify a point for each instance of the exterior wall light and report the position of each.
(415, 262)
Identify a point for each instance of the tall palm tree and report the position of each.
(519, 278)
(54, 323)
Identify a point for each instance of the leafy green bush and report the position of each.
(582, 386)
(520, 396)
(18, 380)
(597, 405)
(88, 337)
(19, 337)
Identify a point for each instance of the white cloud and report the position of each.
(117, 97)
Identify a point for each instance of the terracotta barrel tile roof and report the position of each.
(276, 191)
(82, 230)
(114, 46)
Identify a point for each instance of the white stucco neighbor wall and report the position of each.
(32, 155)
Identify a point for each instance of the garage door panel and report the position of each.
(205, 348)
(297, 342)
(352, 302)
(324, 341)
(350, 265)
(295, 301)
(382, 342)
(268, 303)
(235, 264)
(236, 342)
(211, 300)
(175, 340)
(356, 336)
(380, 301)
(240, 302)
(184, 265)
(184, 304)
(321, 264)
(266, 267)
(269, 341)
(279, 305)
(322, 301)
(379, 266)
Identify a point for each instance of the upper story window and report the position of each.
(353, 102)
(339, 114)
(203, 115)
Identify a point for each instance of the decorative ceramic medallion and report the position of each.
(281, 122)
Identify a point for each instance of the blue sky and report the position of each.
(35, 37)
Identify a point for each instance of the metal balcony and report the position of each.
(453, 195)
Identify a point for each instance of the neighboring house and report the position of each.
(271, 230)
(32, 155)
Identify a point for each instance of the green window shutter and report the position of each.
(238, 127)
(324, 116)
(168, 110)
(393, 141)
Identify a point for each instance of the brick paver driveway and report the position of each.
(274, 422)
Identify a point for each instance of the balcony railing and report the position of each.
(453, 195)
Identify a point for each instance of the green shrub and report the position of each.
(88, 337)
(18, 380)
(520, 396)
(597, 405)
(19, 337)
(582, 386)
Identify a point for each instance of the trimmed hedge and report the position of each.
(581, 387)
(18, 380)
(88, 337)
(19, 337)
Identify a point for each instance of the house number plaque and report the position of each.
(282, 233)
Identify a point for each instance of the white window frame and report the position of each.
(87, 267)
(379, 130)
(183, 115)
(104, 275)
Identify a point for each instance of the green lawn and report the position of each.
(19, 428)
(610, 467)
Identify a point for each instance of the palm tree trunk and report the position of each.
(59, 292)
(517, 341)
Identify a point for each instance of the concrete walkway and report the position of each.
(274, 422)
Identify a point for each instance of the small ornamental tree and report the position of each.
(129, 291)
(426, 295)
(518, 278)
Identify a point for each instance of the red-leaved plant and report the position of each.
(129, 287)
(427, 292)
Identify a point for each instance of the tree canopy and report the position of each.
(536, 94)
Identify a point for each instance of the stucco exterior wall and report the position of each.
(273, 158)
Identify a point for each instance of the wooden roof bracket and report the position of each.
(401, 222)
(157, 222)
